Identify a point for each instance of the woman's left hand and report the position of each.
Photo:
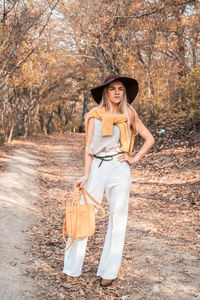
(125, 157)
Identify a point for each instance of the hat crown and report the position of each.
(111, 78)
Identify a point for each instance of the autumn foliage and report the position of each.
(53, 52)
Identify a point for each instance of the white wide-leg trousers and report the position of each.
(114, 178)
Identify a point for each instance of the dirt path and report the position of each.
(18, 193)
(161, 254)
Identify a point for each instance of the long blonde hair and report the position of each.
(124, 107)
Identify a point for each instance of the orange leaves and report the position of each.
(156, 42)
(162, 228)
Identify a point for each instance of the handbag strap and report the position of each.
(76, 196)
(85, 192)
(68, 244)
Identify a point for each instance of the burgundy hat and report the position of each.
(130, 84)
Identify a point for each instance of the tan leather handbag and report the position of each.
(79, 221)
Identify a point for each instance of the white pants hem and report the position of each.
(71, 274)
(106, 277)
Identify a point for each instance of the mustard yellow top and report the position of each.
(107, 125)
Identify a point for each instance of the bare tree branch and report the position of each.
(154, 11)
(10, 73)
(52, 9)
(5, 13)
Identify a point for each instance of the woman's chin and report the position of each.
(115, 101)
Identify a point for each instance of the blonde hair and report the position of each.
(124, 107)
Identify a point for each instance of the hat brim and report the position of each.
(130, 84)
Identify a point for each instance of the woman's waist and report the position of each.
(106, 156)
(108, 153)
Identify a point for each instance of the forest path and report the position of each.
(161, 254)
(18, 194)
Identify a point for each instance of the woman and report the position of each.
(110, 131)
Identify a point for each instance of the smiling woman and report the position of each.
(110, 131)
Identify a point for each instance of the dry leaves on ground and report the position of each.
(161, 253)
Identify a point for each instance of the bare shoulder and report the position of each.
(133, 116)
(142, 130)
(91, 122)
(90, 130)
(91, 111)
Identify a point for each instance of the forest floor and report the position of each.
(161, 254)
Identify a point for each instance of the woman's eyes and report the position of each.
(112, 89)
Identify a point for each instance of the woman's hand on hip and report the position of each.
(125, 157)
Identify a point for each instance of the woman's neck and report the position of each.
(113, 109)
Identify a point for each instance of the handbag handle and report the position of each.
(76, 197)
(85, 192)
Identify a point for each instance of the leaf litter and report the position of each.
(161, 252)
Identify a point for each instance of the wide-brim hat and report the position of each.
(130, 84)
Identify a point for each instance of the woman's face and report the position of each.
(115, 92)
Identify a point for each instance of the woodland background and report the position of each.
(53, 52)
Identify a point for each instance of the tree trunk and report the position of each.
(44, 128)
(11, 132)
(25, 126)
(35, 120)
(85, 103)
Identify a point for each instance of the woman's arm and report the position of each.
(88, 158)
(147, 137)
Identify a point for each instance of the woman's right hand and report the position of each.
(81, 182)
